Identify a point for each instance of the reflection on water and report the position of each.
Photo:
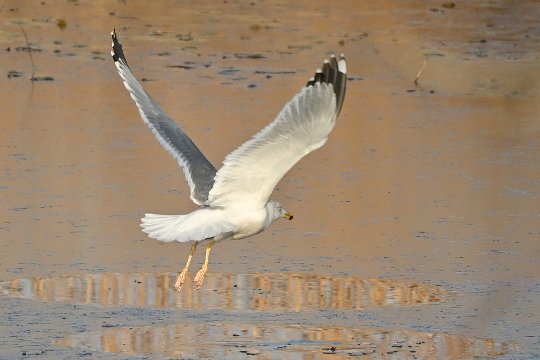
(263, 291)
(230, 341)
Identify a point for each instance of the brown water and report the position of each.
(281, 342)
(232, 292)
(423, 192)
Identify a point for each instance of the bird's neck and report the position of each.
(269, 215)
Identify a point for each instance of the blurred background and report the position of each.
(416, 228)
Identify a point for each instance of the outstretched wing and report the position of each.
(250, 173)
(198, 170)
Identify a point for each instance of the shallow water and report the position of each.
(269, 293)
(418, 219)
(282, 342)
(232, 292)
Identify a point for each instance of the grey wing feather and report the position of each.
(250, 173)
(198, 170)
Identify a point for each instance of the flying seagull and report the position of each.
(234, 200)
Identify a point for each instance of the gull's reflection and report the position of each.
(231, 341)
(260, 292)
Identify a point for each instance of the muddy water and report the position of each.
(233, 292)
(432, 185)
(281, 342)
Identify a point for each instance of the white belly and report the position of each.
(247, 221)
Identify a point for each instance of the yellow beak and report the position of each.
(287, 216)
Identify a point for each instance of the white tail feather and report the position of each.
(198, 225)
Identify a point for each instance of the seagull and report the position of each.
(234, 200)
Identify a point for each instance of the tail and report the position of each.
(199, 225)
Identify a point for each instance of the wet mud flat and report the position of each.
(416, 227)
(229, 296)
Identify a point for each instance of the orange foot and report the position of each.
(199, 278)
(180, 279)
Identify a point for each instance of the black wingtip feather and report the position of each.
(326, 71)
(319, 76)
(116, 52)
(333, 72)
(333, 69)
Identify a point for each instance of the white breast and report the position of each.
(247, 221)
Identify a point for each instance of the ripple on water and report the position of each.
(231, 341)
(256, 292)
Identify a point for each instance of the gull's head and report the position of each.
(276, 211)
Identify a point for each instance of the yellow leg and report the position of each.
(200, 275)
(182, 276)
